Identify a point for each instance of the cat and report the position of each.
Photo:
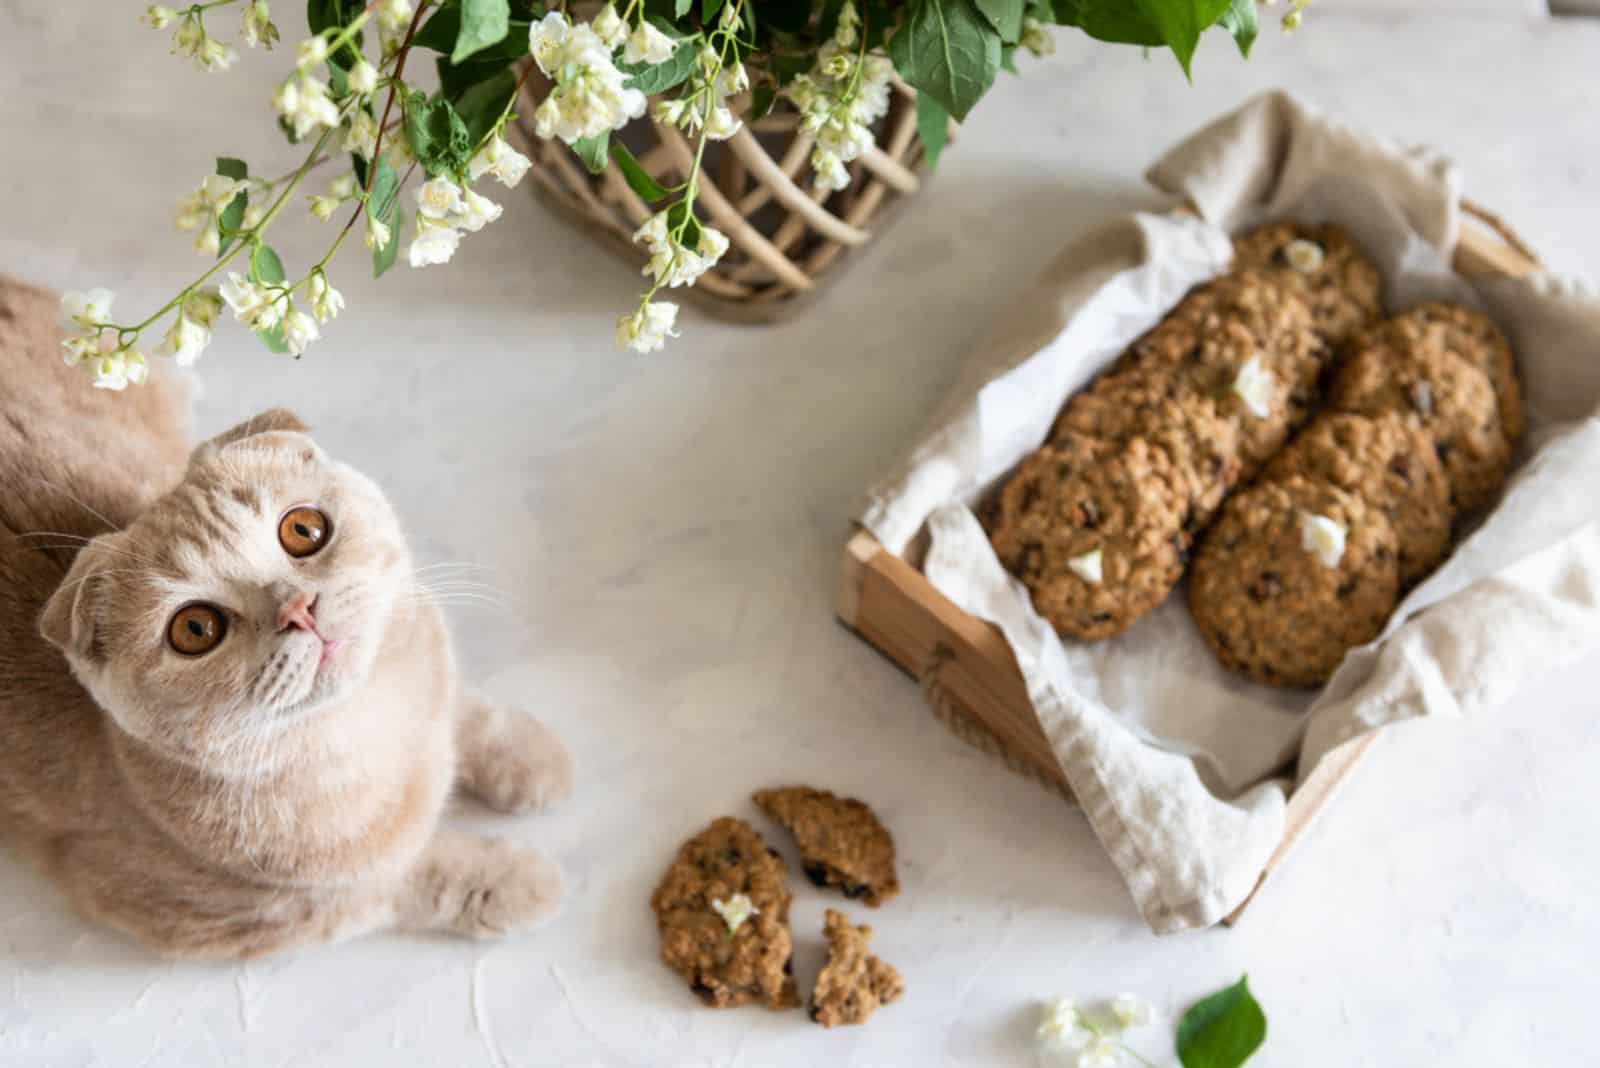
(229, 717)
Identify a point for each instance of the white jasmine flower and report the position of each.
(393, 15)
(609, 28)
(323, 207)
(253, 216)
(1088, 567)
(846, 30)
(1036, 38)
(735, 911)
(378, 233)
(363, 77)
(713, 243)
(547, 42)
(732, 81)
(1130, 1010)
(837, 67)
(830, 170)
(648, 45)
(1256, 387)
(135, 368)
(1102, 1051)
(86, 348)
(729, 17)
(499, 159)
(203, 306)
(326, 301)
(670, 112)
(476, 212)
(87, 309)
(304, 103)
(184, 341)
(258, 28)
(1060, 1023)
(839, 104)
(312, 52)
(111, 372)
(215, 56)
(432, 243)
(647, 329)
(721, 124)
(1323, 538)
(299, 331)
(202, 210)
(590, 96)
(362, 136)
(159, 17)
(438, 198)
(1304, 256)
(257, 307)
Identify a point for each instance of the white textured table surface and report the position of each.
(666, 529)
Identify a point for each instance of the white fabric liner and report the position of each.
(1172, 757)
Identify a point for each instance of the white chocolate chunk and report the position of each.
(1323, 538)
(1087, 567)
(735, 911)
(1304, 256)
(1255, 386)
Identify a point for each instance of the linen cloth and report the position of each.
(1183, 769)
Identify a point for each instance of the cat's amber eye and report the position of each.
(196, 629)
(303, 531)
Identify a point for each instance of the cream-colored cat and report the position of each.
(229, 719)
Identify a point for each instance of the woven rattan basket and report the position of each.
(786, 238)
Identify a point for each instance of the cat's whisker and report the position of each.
(47, 484)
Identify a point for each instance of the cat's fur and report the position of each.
(259, 796)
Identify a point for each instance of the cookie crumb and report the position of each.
(853, 984)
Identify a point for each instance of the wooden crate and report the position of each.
(968, 672)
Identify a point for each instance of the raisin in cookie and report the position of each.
(853, 984)
(1471, 335)
(1341, 285)
(1389, 463)
(723, 912)
(1098, 544)
(1292, 576)
(1164, 411)
(841, 841)
(1451, 400)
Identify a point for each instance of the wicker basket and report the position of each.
(785, 237)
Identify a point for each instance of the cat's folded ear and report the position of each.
(71, 620)
(271, 421)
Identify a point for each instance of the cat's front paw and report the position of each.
(515, 763)
(485, 888)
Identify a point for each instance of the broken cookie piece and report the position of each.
(841, 841)
(723, 912)
(853, 984)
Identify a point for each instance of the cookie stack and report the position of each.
(1099, 521)
(1311, 562)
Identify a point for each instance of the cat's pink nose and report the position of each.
(298, 612)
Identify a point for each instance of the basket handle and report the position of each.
(1501, 228)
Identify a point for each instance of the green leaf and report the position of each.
(483, 23)
(638, 178)
(443, 29)
(481, 106)
(592, 150)
(383, 256)
(933, 126)
(232, 216)
(663, 76)
(682, 7)
(229, 167)
(273, 339)
(436, 134)
(708, 10)
(265, 266)
(1180, 23)
(1223, 1030)
(947, 49)
(1008, 59)
(1241, 21)
(385, 183)
(1005, 16)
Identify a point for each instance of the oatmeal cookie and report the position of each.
(1341, 285)
(853, 984)
(727, 967)
(1389, 463)
(841, 841)
(1270, 598)
(1472, 336)
(1265, 396)
(1097, 544)
(1271, 308)
(1164, 411)
(1450, 399)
